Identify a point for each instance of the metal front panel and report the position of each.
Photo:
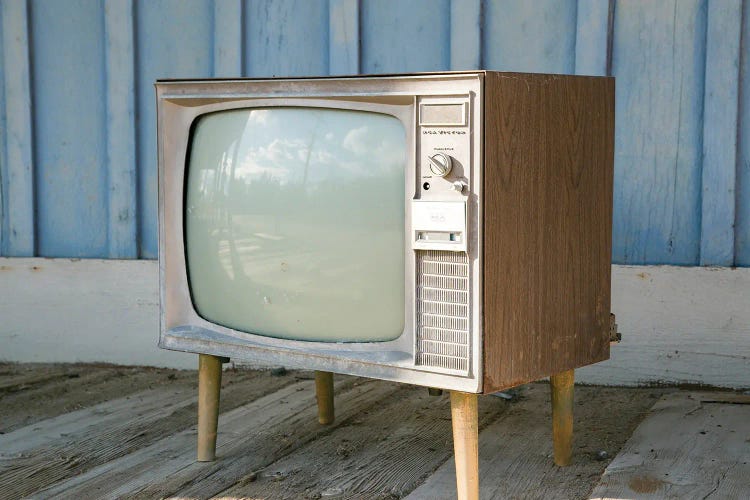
(445, 224)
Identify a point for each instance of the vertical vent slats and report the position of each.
(442, 310)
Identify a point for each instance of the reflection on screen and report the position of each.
(295, 223)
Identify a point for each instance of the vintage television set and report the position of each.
(451, 230)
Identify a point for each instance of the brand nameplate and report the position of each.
(439, 225)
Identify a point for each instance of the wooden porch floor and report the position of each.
(100, 431)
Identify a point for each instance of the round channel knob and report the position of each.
(440, 164)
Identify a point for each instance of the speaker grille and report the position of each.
(442, 310)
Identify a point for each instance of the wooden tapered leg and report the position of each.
(562, 416)
(465, 417)
(209, 385)
(324, 394)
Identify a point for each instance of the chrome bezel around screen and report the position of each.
(179, 105)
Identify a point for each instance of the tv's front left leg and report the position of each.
(465, 418)
(324, 395)
(562, 416)
(209, 386)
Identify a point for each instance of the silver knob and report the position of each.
(440, 164)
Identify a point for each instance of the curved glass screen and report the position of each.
(294, 221)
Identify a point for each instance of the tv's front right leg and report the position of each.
(465, 418)
(209, 386)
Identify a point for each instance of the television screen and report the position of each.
(294, 222)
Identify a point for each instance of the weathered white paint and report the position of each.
(64, 310)
(679, 324)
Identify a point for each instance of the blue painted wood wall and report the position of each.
(78, 143)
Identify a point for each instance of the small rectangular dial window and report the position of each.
(443, 114)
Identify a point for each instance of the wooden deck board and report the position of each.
(249, 437)
(113, 432)
(280, 430)
(691, 446)
(15, 380)
(67, 388)
(65, 446)
(69, 426)
(382, 453)
(515, 452)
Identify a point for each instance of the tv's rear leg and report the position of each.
(324, 395)
(209, 386)
(465, 417)
(562, 416)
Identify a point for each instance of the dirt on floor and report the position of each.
(31, 392)
(357, 457)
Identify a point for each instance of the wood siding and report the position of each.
(77, 120)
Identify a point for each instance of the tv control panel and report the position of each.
(443, 172)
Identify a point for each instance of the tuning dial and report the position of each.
(440, 164)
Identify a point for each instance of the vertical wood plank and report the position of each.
(3, 137)
(228, 44)
(399, 36)
(343, 37)
(592, 32)
(658, 58)
(120, 89)
(530, 36)
(720, 114)
(18, 174)
(742, 228)
(466, 34)
(668, 209)
(286, 38)
(173, 40)
(70, 140)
